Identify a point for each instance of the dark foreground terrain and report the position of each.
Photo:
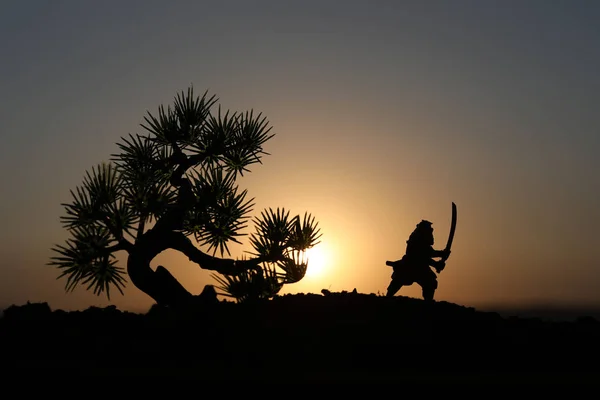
(336, 337)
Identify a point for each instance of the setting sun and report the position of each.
(317, 260)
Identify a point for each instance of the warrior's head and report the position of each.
(423, 233)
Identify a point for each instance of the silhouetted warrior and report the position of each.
(416, 263)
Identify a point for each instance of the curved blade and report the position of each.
(452, 228)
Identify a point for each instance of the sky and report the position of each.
(384, 113)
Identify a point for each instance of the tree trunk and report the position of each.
(163, 287)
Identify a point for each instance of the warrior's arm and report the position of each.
(438, 253)
(438, 265)
(434, 263)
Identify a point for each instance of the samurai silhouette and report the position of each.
(415, 265)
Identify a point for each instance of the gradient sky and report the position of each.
(384, 113)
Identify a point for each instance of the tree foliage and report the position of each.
(175, 183)
(280, 238)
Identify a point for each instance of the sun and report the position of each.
(317, 260)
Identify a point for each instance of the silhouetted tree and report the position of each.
(175, 184)
(275, 230)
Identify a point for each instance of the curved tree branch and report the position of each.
(141, 226)
(123, 244)
(178, 241)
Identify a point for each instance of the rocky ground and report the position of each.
(330, 337)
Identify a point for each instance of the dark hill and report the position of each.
(304, 337)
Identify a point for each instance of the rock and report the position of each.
(28, 312)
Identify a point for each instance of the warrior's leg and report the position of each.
(428, 292)
(428, 284)
(393, 288)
